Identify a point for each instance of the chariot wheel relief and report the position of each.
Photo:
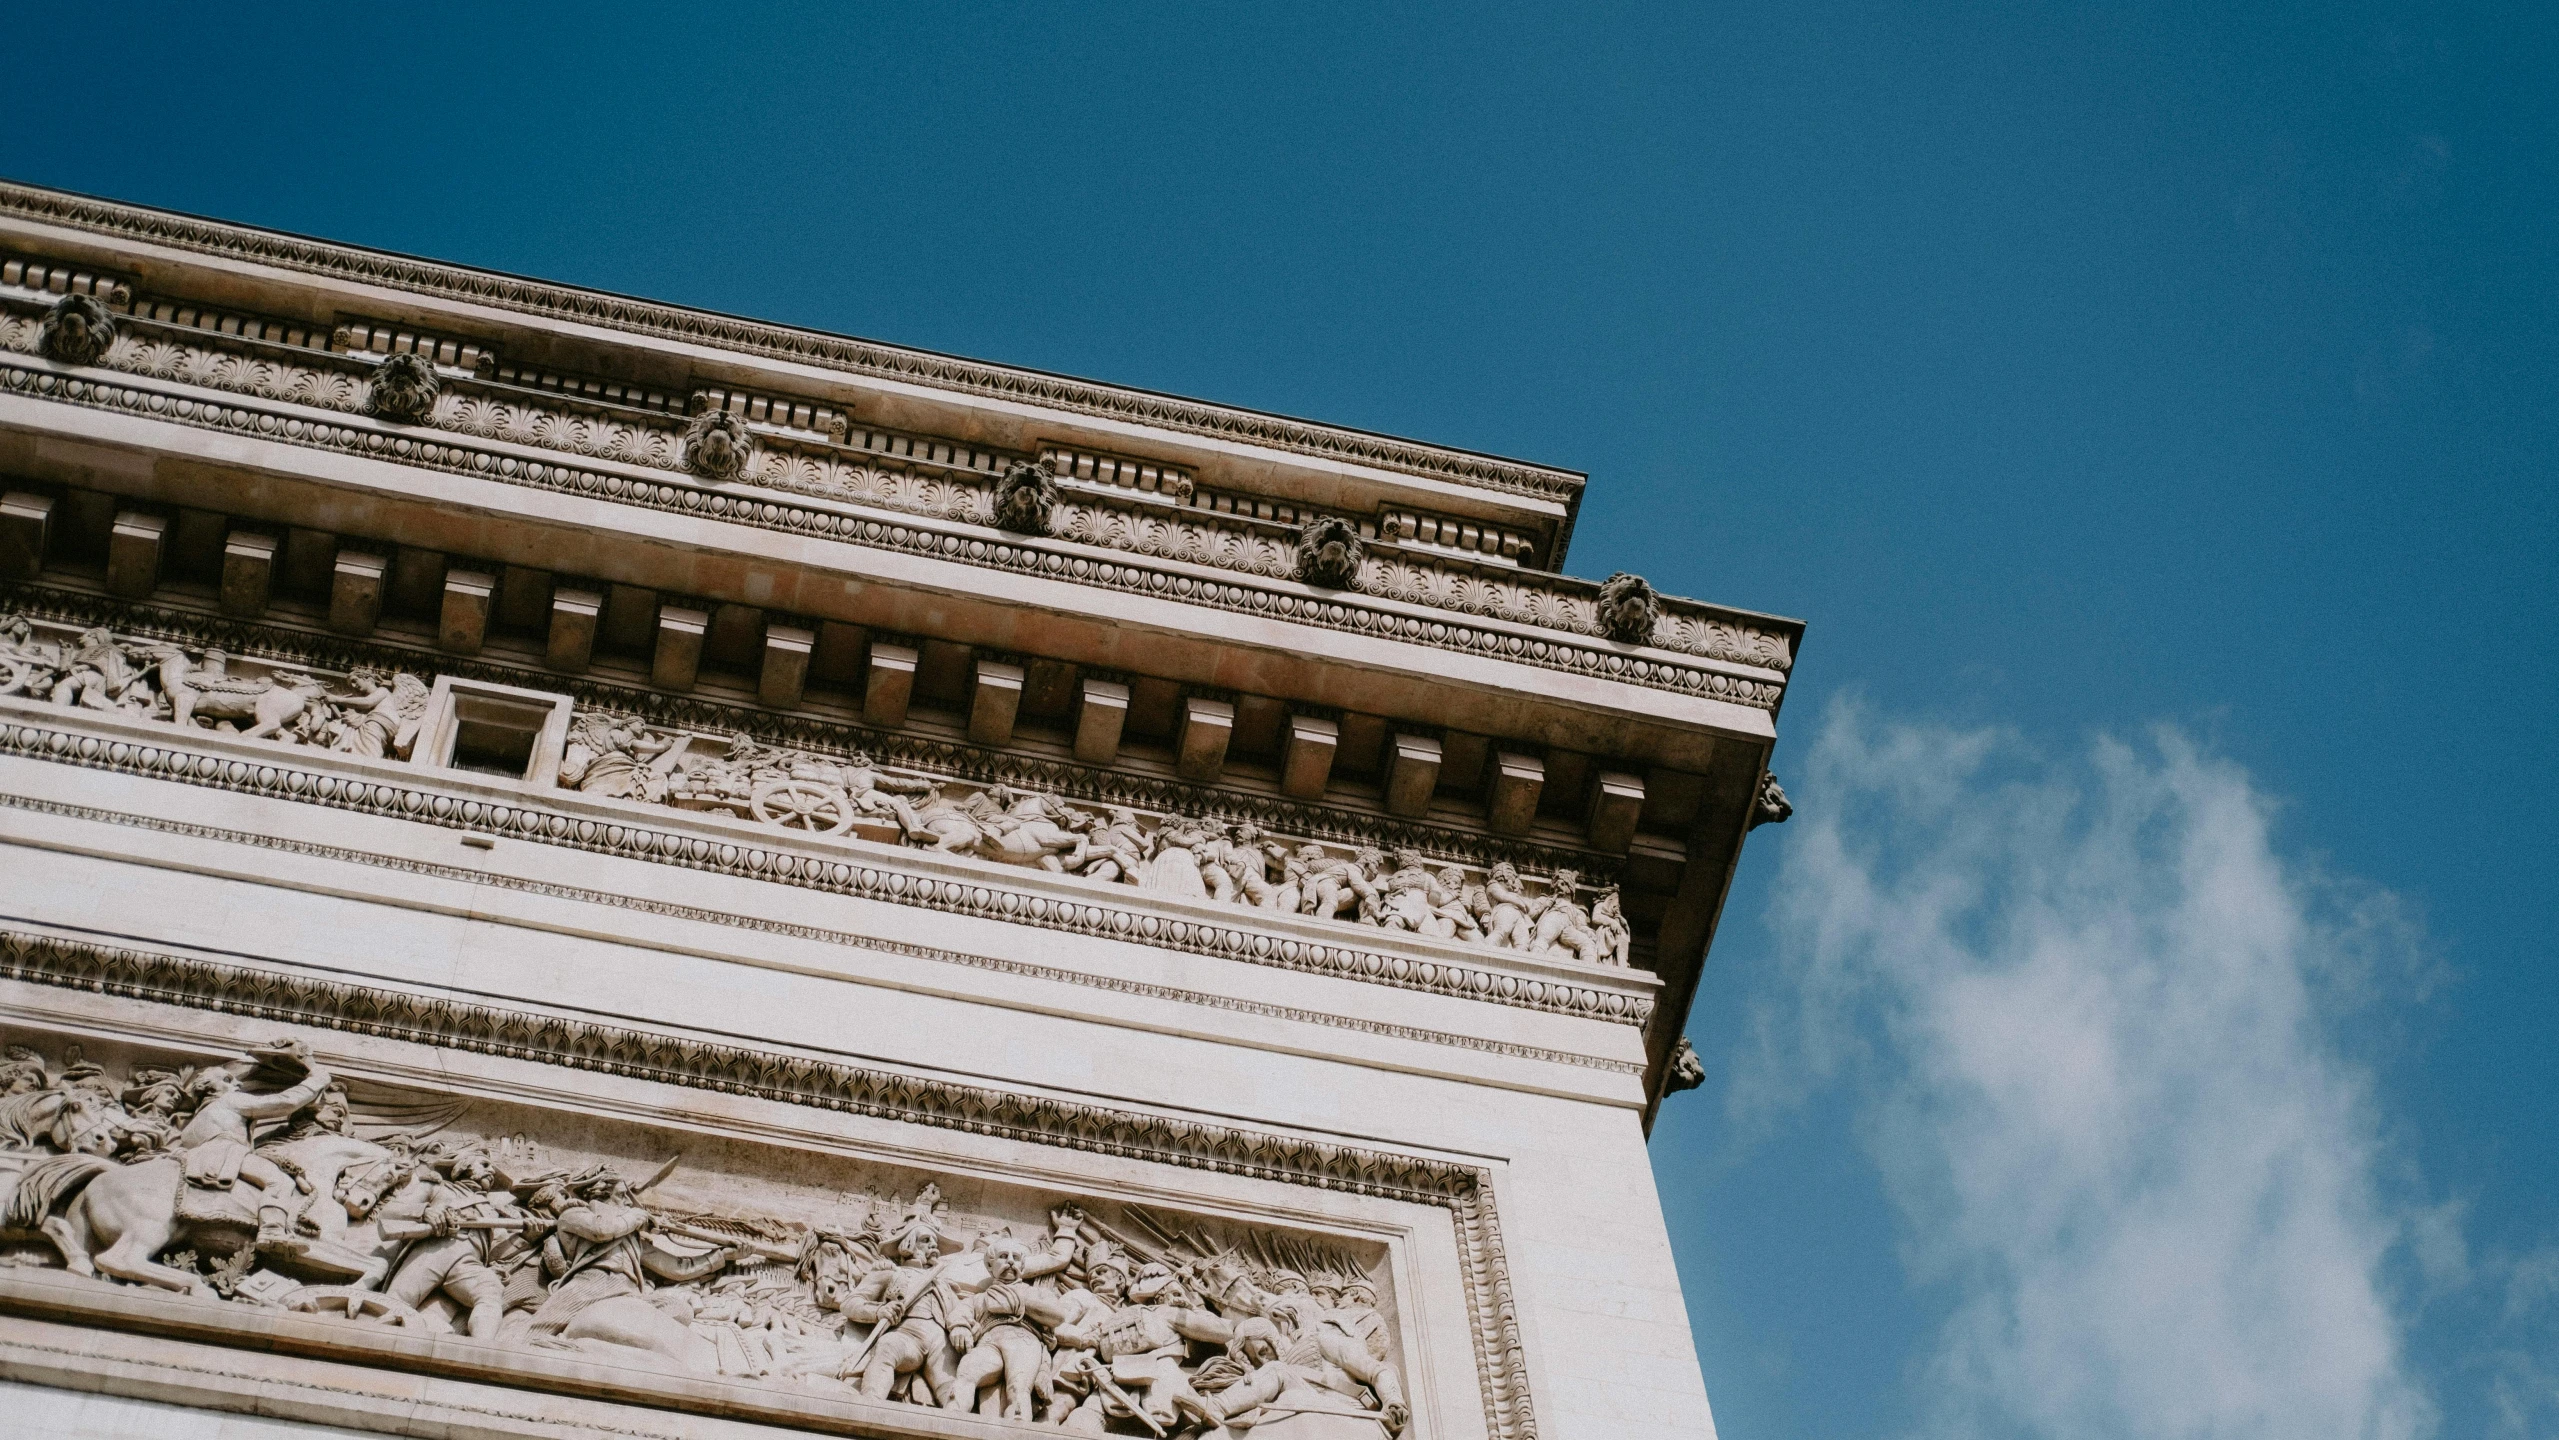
(14, 675)
(803, 805)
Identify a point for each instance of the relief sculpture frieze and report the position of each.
(1194, 856)
(264, 1180)
(366, 712)
(376, 713)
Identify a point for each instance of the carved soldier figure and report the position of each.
(1288, 896)
(23, 1071)
(595, 1252)
(1509, 908)
(1116, 849)
(1404, 898)
(1357, 1314)
(1455, 904)
(1613, 937)
(997, 1334)
(477, 1239)
(28, 666)
(871, 786)
(1317, 1370)
(1334, 884)
(1137, 1351)
(97, 674)
(1560, 911)
(215, 1142)
(1315, 1358)
(1174, 868)
(907, 1305)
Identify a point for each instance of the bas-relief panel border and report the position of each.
(860, 357)
(915, 535)
(1465, 1191)
(976, 897)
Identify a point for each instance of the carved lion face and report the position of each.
(1025, 498)
(1628, 609)
(1329, 552)
(404, 389)
(715, 445)
(78, 331)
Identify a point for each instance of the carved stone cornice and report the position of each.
(729, 849)
(940, 539)
(866, 358)
(1100, 516)
(817, 1081)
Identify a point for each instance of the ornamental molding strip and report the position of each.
(92, 1119)
(734, 850)
(1754, 686)
(870, 359)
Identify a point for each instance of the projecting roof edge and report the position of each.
(850, 354)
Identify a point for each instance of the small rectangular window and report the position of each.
(493, 730)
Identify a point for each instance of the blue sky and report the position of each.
(2144, 1027)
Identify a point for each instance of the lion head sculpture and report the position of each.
(1771, 808)
(404, 389)
(1025, 497)
(1687, 1070)
(78, 331)
(1329, 552)
(715, 445)
(1628, 609)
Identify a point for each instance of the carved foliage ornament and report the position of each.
(716, 445)
(78, 331)
(1329, 552)
(1628, 609)
(404, 389)
(1026, 497)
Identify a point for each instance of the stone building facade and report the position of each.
(580, 867)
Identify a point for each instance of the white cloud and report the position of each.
(2086, 1008)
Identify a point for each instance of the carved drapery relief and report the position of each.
(369, 712)
(263, 1180)
(1185, 856)
(1089, 515)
